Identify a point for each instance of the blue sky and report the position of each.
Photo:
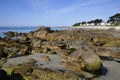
(54, 12)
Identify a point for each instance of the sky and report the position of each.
(55, 12)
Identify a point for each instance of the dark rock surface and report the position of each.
(76, 47)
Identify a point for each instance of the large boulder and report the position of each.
(76, 43)
(42, 32)
(88, 56)
(76, 67)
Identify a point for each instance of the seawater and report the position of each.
(16, 29)
(24, 29)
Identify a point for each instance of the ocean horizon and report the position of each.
(23, 29)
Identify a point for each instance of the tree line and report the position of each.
(113, 20)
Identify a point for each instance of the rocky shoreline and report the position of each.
(75, 54)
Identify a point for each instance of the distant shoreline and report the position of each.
(96, 27)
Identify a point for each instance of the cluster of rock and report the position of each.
(80, 50)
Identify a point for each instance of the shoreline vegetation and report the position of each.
(112, 21)
(74, 54)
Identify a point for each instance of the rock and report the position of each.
(24, 39)
(36, 50)
(99, 41)
(14, 34)
(51, 52)
(30, 35)
(36, 42)
(3, 75)
(46, 50)
(94, 66)
(76, 68)
(42, 32)
(63, 54)
(23, 51)
(112, 44)
(91, 60)
(102, 52)
(53, 45)
(88, 56)
(77, 43)
(109, 53)
(47, 74)
(29, 61)
(2, 53)
(44, 58)
(44, 28)
(58, 44)
(11, 34)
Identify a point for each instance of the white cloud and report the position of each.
(76, 6)
(42, 5)
(37, 5)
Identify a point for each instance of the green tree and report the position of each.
(83, 23)
(89, 22)
(77, 24)
(115, 19)
(96, 21)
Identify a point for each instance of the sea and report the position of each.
(24, 29)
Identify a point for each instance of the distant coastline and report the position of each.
(96, 27)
